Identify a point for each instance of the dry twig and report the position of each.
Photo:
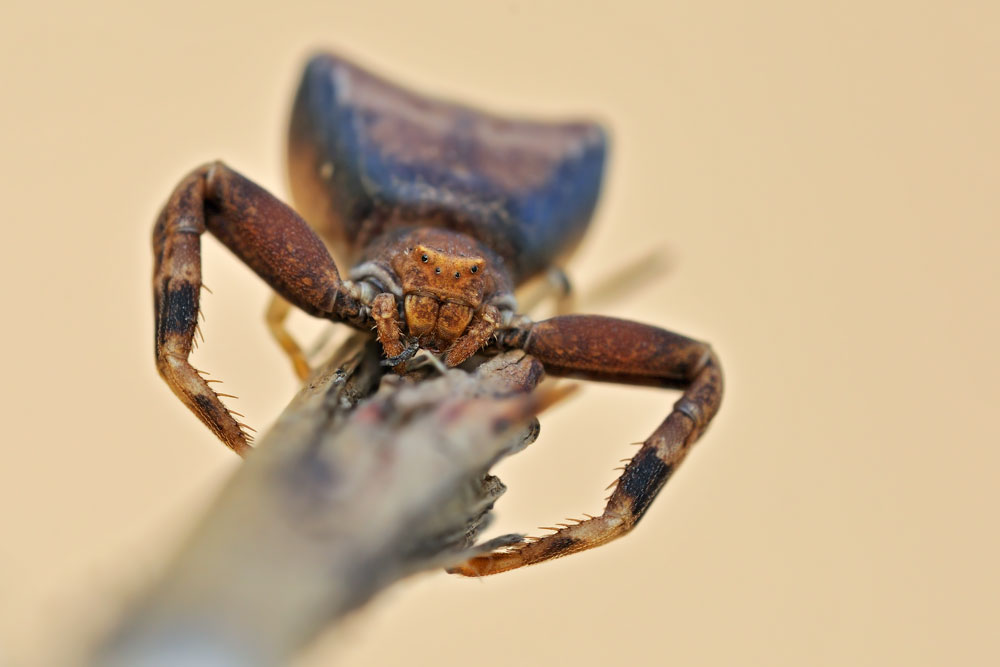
(365, 479)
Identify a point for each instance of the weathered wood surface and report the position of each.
(365, 478)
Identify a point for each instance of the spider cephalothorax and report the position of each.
(448, 290)
(441, 291)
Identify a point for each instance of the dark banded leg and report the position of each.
(607, 349)
(263, 232)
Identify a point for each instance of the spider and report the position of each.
(441, 210)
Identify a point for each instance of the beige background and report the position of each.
(823, 177)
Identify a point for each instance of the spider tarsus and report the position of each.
(407, 354)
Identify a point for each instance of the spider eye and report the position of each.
(424, 258)
(474, 269)
(437, 270)
(456, 274)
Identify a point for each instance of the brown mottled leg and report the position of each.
(484, 324)
(269, 237)
(386, 316)
(277, 312)
(602, 348)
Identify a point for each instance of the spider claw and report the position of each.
(405, 355)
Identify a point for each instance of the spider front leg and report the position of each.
(608, 349)
(263, 232)
(478, 332)
(386, 316)
(482, 327)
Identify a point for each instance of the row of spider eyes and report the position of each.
(425, 259)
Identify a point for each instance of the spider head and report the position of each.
(424, 271)
(441, 290)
